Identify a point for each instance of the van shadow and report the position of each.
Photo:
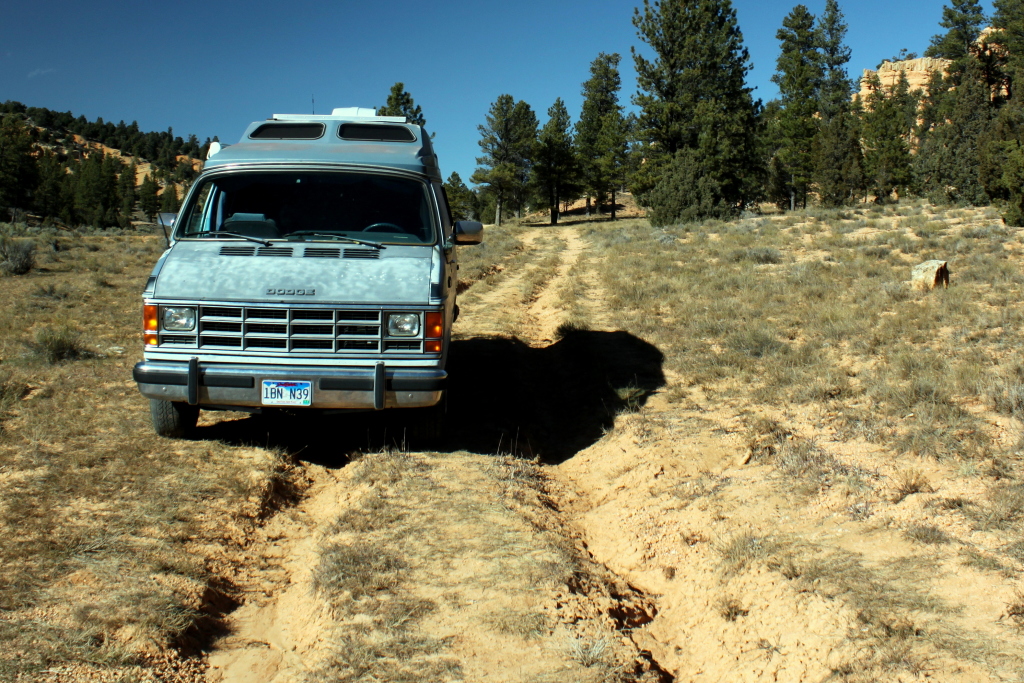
(549, 402)
(503, 397)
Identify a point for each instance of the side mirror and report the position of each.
(469, 232)
(166, 221)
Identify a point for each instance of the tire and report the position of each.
(172, 419)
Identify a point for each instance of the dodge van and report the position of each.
(312, 266)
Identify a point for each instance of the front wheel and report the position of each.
(173, 419)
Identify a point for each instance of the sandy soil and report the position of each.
(650, 501)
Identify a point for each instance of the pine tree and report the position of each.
(148, 200)
(1008, 20)
(948, 159)
(888, 123)
(614, 145)
(18, 172)
(507, 143)
(799, 76)
(836, 87)
(838, 159)
(400, 103)
(461, 200)
(127, 195)
(169, 199)
(52, 196)
(964, 21)
(697, 116)
(600, 99)
(556, 168)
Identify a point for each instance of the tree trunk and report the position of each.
(497, 212)
(588, 206)
(613, 204)
(792, 199)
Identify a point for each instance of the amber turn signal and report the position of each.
(150, 324)
(434, 328)
(432, 346)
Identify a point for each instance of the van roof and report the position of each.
(347, 136)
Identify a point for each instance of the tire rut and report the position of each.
(496, 522)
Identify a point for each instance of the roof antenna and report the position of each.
(313, 100)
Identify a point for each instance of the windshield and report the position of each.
(312, 206)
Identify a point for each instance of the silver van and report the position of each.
(311, 266)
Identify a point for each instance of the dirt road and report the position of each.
(583, 520)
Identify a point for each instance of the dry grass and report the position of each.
(786, 306)
(473, 530)
(103, 524)
(808, 318)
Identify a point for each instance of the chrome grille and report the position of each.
(299, 330)
(281, 329)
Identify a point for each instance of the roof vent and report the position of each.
(355, 112)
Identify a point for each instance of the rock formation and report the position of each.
(918, 71)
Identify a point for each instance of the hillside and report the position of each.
(731, 451)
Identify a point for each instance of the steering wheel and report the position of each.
(383, 227)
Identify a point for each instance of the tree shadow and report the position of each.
(503, 397)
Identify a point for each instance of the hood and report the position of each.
(295, 272)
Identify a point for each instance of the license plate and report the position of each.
(279, 392)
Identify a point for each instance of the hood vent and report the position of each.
(232, 250)
(274, 251)
(321, 252)
(362, 253)
(308, 252)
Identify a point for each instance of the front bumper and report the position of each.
(224, 384)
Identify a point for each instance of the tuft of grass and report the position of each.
(588, 651)
(731, 609)
(1015, 609)
(56, 292)
(908, 482)
(745, 549)
(350, 573)
(975, 559)
(58, 344)
(17, 257)
(928, 534)
(1004, 506)
(526, 625)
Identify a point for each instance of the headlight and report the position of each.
(178, 318)
(403, 324)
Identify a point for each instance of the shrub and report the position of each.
(58, 344)
(17, 257)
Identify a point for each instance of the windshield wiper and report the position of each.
(206, 233)
(343, 238)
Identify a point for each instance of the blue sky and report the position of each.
(210, 68)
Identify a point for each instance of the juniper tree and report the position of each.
(400, 103)
(696, 113)
(556, 172)
(600, 99)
